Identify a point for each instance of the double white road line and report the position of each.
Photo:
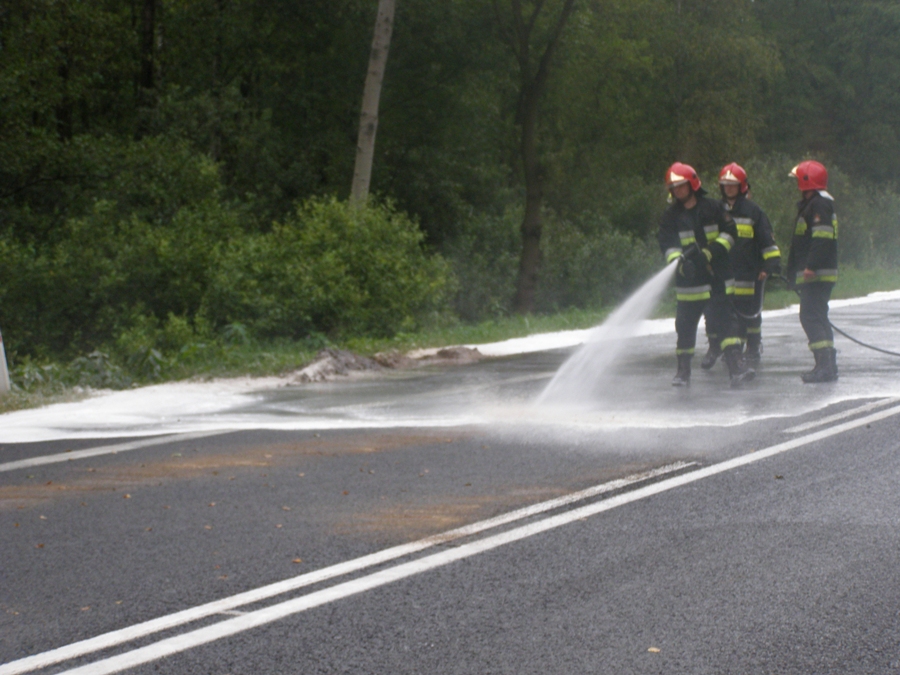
(114, 449)
(259, 617)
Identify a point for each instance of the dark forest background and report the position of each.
(180, 168)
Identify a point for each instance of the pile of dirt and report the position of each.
(394, 360)
(332, 363)
(452, 355)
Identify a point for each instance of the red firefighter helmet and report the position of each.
(734, 174)
(679, 173)
(810, 175)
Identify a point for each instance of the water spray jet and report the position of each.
(582, 373)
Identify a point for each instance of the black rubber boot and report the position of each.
(825, 369)
(737, 369)
(754, 350)
(712, 355)
(814, 374)
(683, 376)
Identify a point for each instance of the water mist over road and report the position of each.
(579, 379)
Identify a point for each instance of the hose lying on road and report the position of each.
(862, 344)
(762, 296)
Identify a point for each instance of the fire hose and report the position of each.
(762, 295)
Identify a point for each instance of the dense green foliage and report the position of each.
(172, 173)
(332, 267)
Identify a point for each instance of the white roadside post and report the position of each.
(4, 371)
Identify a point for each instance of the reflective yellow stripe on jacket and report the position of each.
(687, 238)
(821, 275)
(744, 288)
(693, 293)
(744, 227)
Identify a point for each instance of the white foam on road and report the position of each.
(195, 407)
(573, 338)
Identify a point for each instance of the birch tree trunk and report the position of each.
(4, 372)
(368, 118)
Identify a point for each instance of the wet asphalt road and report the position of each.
(785, 564)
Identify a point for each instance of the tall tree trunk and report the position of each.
(533, 85)
(368, 118)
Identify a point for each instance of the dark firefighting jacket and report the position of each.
(710, 226)
(754, 248)
(814, 244)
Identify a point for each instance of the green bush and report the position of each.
(870, 227)
(589, 263)
(485, 260)
(333, 268)
(138, 240)
(586, 262)
(86, 288)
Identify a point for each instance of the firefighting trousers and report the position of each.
(814, 299)
(745, 306)
(720, 321)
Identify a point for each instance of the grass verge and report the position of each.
(37, 385)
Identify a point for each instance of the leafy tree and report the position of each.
(532, 30)
(446, 131)
(840, 94)
(144, 144)
(63, 66)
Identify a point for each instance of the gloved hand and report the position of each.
(693, 257)
(772, 267)
(687, 268)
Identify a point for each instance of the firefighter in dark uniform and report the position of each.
(700, 232)
(812, 266)
(754, 258)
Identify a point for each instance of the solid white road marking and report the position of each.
(106, 450)
(272, 613)
(841, 415)
(140, 630)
